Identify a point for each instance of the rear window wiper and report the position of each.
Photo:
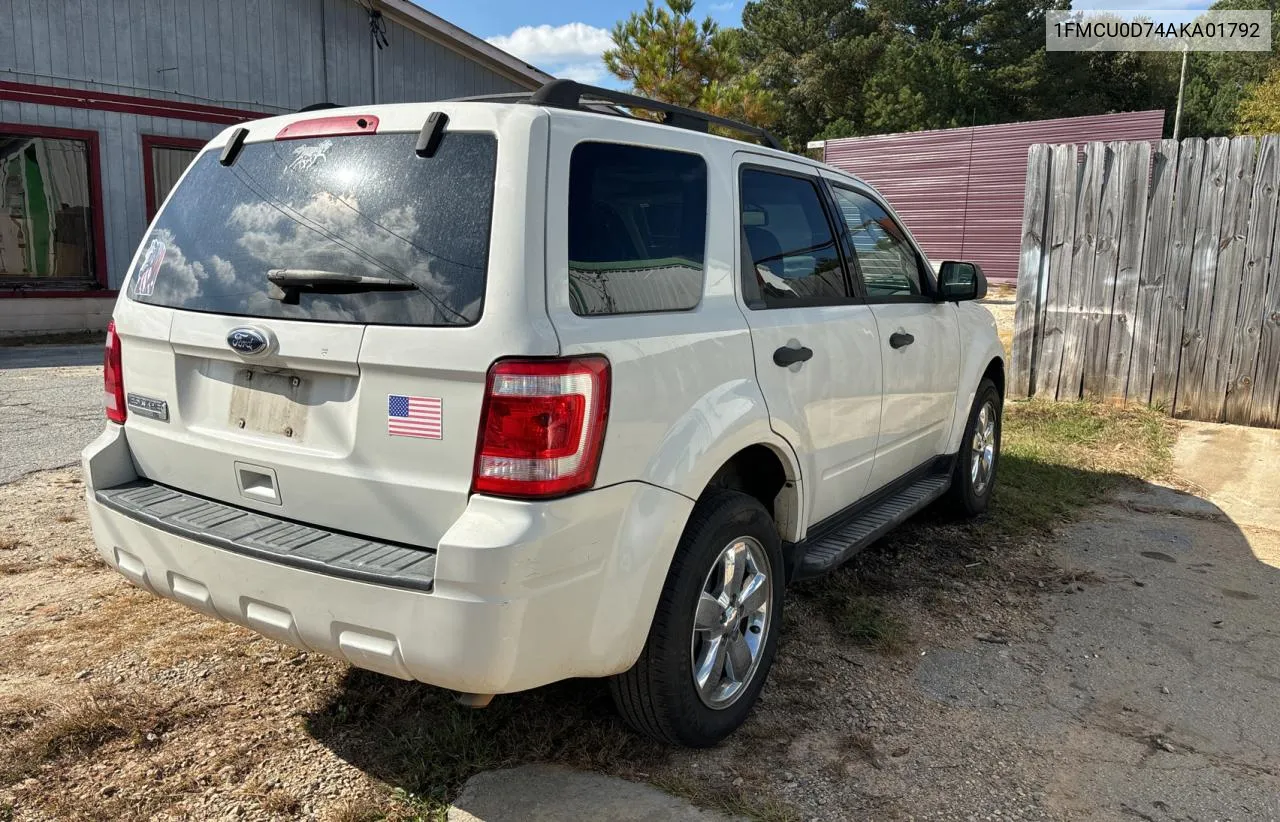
(288, 283)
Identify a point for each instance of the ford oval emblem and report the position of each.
(248, 341)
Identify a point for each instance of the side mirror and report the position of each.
(959, 281)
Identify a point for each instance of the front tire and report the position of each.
(975, 472)
(715, 632)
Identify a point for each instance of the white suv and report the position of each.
(493, 393)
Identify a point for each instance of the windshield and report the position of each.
(365, 206)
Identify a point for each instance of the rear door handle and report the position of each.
(786, 355)
(901, 339)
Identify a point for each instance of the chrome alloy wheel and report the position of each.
(731, 623)
(982, 460)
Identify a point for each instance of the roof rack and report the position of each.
(570, 94)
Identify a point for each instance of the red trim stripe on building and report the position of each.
(124, 103)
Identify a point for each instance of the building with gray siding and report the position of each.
(104, 102)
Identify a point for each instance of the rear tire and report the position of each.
(715, 632)
(974, 476)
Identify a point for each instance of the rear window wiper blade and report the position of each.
(288, 283)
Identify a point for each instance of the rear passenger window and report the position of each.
(787, 240)
(637, 229)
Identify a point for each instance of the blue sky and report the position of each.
(566, 37)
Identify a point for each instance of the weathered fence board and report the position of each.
(1083, 256)
(1155, 251)
(1101, 288)
(1061, 235)
(1265, 408)
(1226, 286)
(1031, 270)
(1182, 230)
(1151, 274)
(1257, 266)
(1135, 159)
(1204, 267)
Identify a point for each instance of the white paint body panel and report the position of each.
(525, 593)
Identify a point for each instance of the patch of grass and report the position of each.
(1059, 457)
(355, 810)
(281, 803)
(743, 800)
(81, 725)
(864, 620)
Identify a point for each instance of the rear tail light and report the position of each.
(542, 426)
(113, 377)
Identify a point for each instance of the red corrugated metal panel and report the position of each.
(959, 190)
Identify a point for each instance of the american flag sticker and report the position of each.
(414, 417)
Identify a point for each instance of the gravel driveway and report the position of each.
(51, 403)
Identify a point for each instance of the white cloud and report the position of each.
(555, 45)
(593, 73)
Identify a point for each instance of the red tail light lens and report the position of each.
(542, 427)
(113, 377)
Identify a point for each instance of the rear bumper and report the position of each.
(524, 593)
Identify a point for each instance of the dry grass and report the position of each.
(16, 567)
(354, 810)
(9, 543)
(54, 727)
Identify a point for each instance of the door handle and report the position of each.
(901, 339)
(786, 355)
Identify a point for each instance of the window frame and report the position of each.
(97, 284)
(150, 142)
(706, 226)
(852, 286)
(928, 284)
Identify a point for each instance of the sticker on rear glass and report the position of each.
(145, 282)
(306, 156)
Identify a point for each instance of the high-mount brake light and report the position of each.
(341, 126)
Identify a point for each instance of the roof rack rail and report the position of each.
(570, 94)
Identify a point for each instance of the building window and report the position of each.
(163, 161)
(48, 234)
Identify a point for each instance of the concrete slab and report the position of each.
(547, 793)
(1236, 467)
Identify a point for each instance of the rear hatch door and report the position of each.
(306, 331)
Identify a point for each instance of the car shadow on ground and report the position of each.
(1160, 584)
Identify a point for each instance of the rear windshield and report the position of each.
(362, 206)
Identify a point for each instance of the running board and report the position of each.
(837, 544)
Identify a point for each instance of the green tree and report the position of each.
(1259, 111)
(665, 54)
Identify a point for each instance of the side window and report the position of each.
(787, 240)
(637, 229)
(890, 266)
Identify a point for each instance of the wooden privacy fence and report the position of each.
(1150, 273)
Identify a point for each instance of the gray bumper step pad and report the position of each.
(259, 535)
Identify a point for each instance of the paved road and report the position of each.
(50, 404)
